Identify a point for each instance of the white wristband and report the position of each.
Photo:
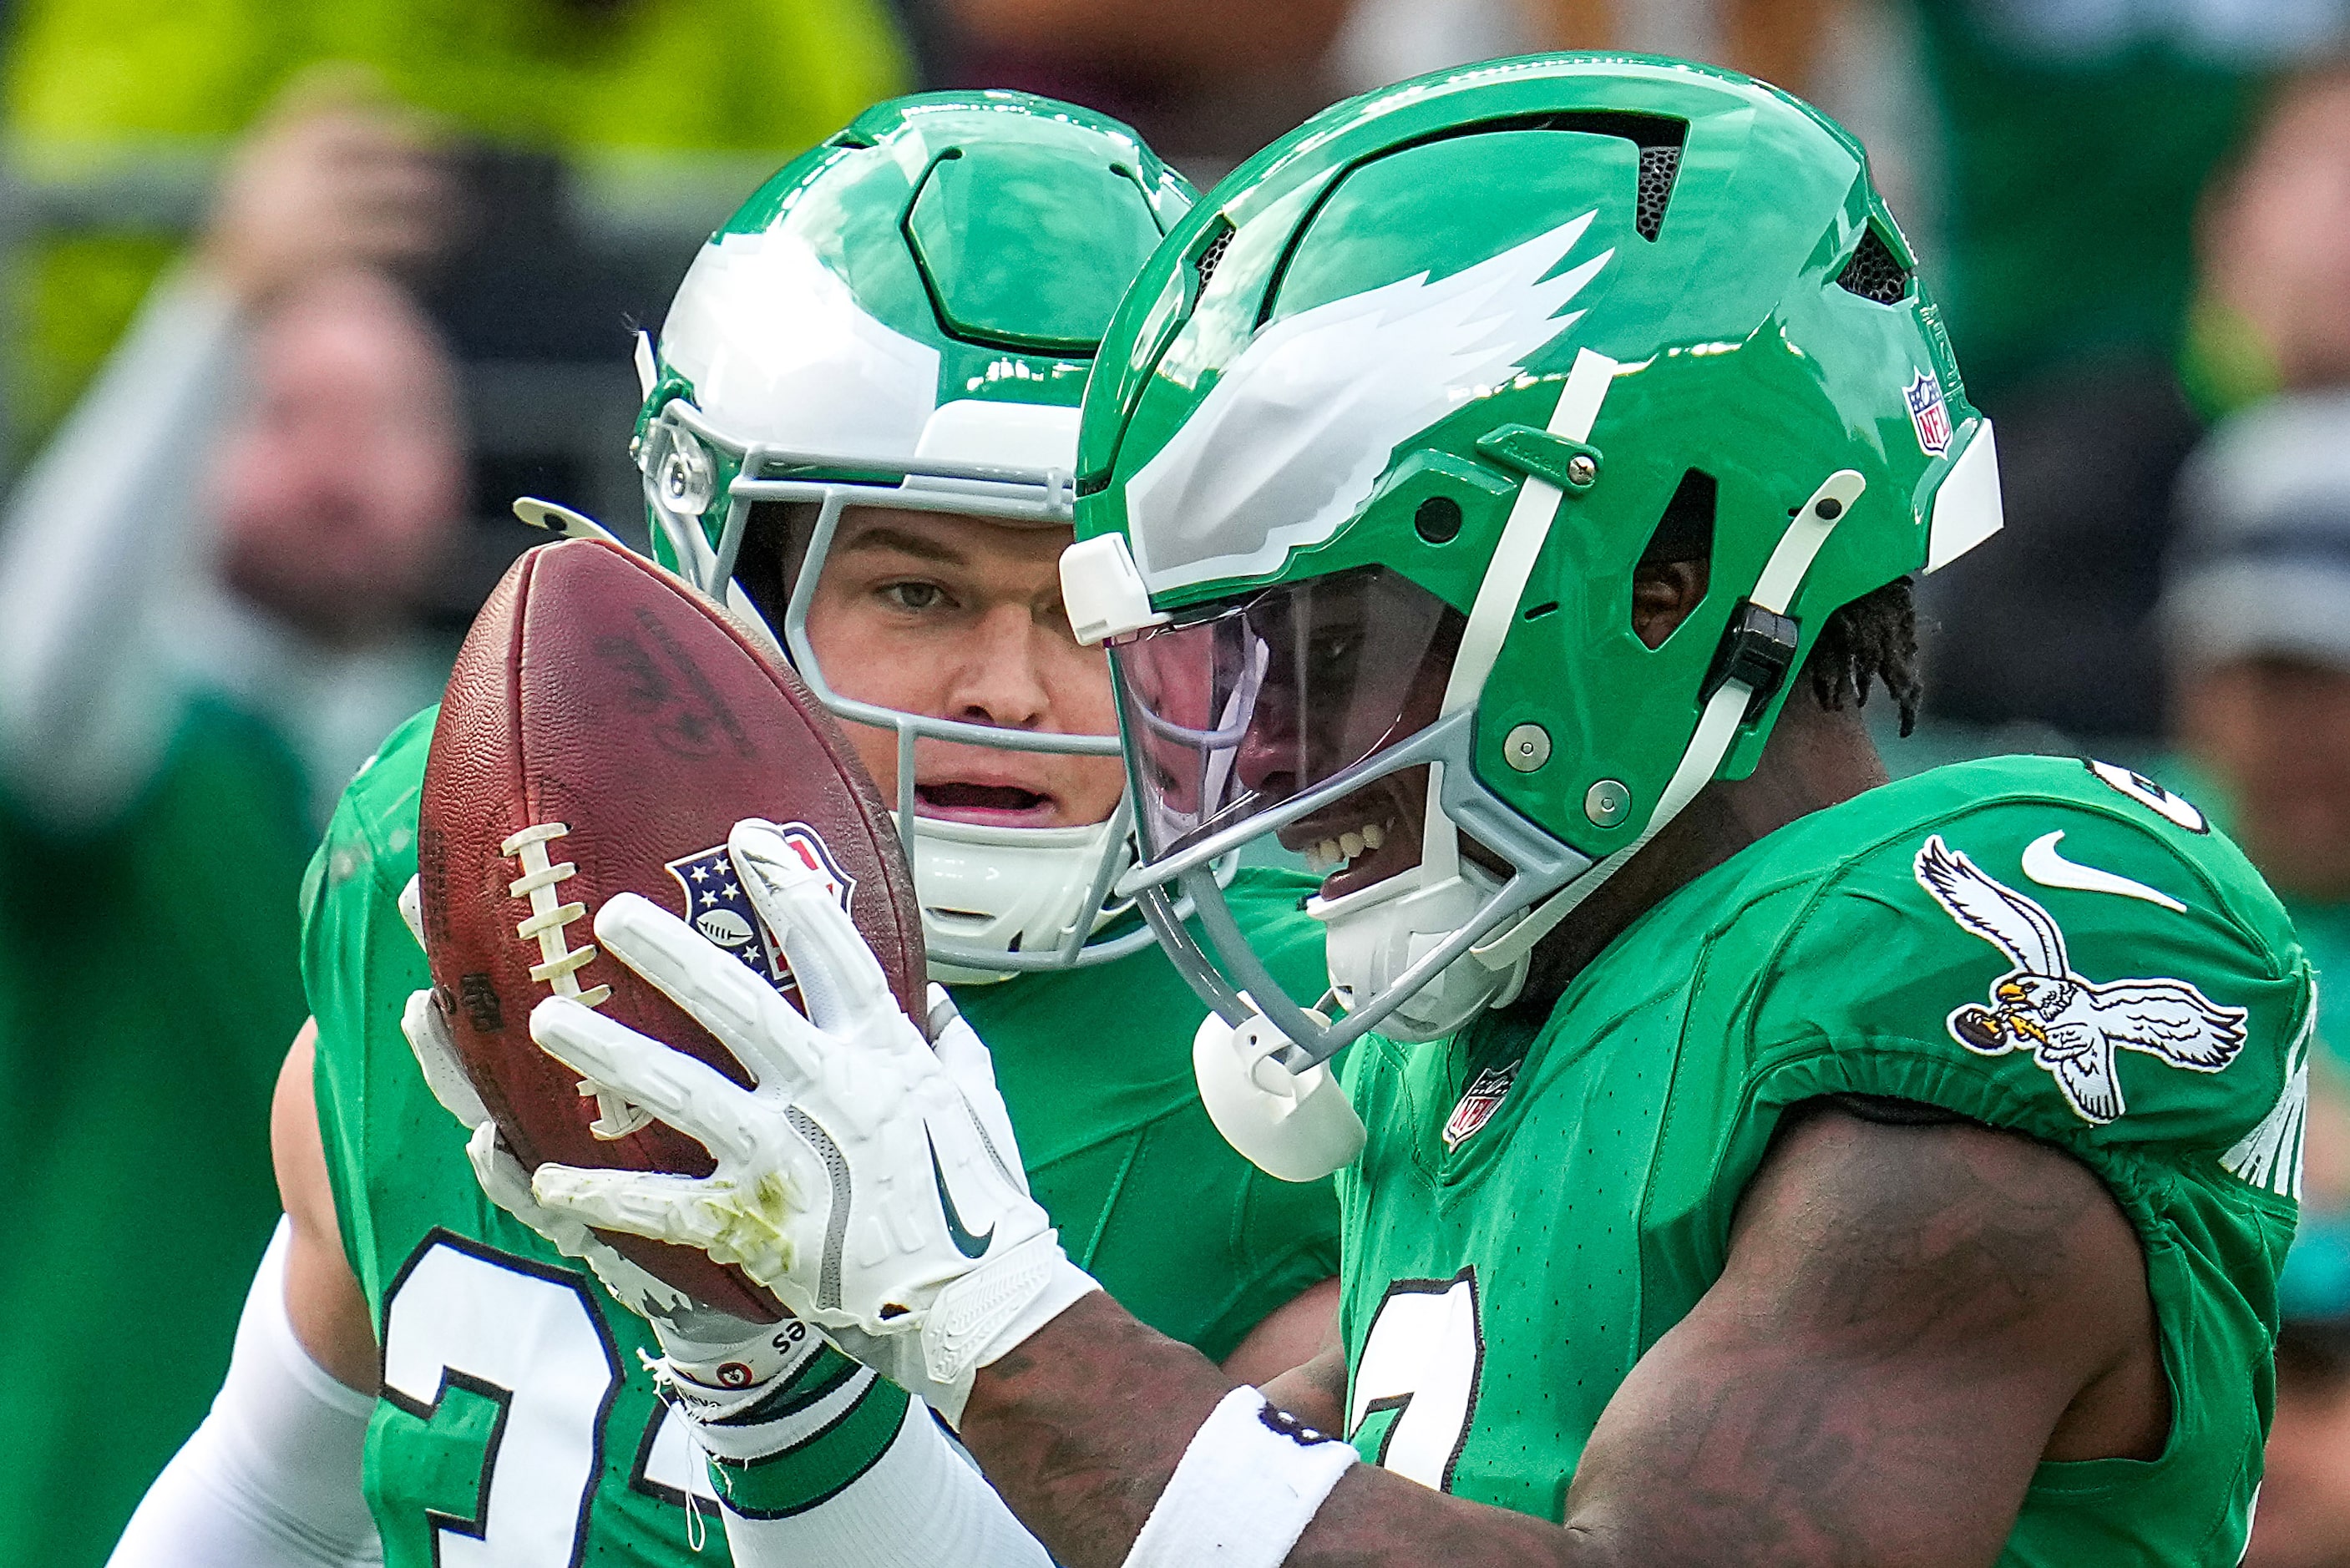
(1250, 1482)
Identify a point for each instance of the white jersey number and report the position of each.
(530, 1340)
(1421, 1359)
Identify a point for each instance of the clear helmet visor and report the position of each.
(1314, 712)
(1234, 716)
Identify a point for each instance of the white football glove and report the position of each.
(869, 1180)
(716, 1364)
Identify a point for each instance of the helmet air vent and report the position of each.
(1874, 272)
(1659, 164)
(1437, 520)
(1206, 265)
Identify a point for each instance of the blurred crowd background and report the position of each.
(295, 298)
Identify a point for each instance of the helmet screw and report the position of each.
(1606, 802)
(1528, 747)
(1581, 470)
(688, 477)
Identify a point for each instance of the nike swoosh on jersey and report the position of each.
(965, 1242)
(2045, 865)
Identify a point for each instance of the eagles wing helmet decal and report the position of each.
(2072, 1025)
(1291, 441)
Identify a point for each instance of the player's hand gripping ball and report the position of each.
(604, 729)
(869, 1178)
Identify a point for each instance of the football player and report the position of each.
(859, 427)
(1504, 489)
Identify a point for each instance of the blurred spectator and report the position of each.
(662, 111)
(2274, 312)
(2304, 1517)
(255, 494)
(208, 585)
(2078, 138)
(2256, 612)
(1205, 84)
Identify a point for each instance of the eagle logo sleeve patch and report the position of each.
(2072, 1026)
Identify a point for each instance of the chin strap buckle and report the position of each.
(1757, 650)
(1296, 1126)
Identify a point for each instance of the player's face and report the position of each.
(954, 617)
(2275, 734)
(336, 488)
(1247, 708)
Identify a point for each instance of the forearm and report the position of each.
(94, 535)
(1082, 1427)
(921, 1503)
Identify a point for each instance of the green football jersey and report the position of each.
(2061, 949)
(515, 1403)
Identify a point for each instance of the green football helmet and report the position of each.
(906, 317)
(1378, 440)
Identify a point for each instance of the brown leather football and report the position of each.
(605, 727)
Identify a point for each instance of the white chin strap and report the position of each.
(1005, 889)
(1374, 934)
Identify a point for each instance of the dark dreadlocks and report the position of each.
(1874, 638)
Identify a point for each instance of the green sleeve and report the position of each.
(2167, 1028)
(2170, 1057)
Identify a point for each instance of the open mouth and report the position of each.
(998, 805)
(1365, 839)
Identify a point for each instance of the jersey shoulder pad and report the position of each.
(2059, 946)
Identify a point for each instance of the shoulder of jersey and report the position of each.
(370, 844)
(381, 797)
(2059, 944)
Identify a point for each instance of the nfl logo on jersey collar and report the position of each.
(1483, 1098)
(1929, 414)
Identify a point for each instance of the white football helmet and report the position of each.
(906, 317)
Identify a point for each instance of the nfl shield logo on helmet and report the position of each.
(717, 907)
(1929, 414)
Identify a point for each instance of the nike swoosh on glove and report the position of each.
(869, 1180)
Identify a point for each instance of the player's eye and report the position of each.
(1332, 648)
(913, 595)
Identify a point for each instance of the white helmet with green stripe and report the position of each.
(905, 318)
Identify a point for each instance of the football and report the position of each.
(604, 728)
